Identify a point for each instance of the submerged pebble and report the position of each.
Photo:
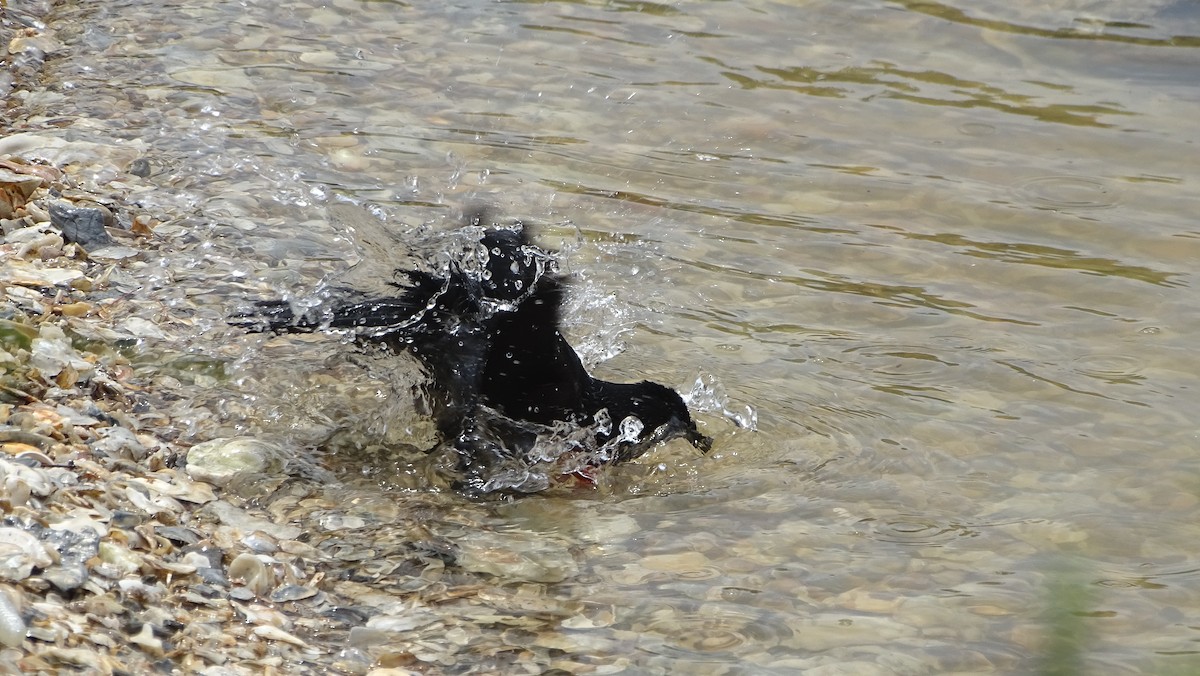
(82, 225)
(221, 460)
(517, 556)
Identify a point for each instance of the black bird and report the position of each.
(486, 327)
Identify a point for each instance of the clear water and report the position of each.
(945, 253)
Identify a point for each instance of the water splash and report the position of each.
(708, 395)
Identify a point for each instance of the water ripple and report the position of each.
(1113, 369)
(710, 630)
(918, 531)
(1067, 192)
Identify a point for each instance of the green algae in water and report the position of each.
(1068, 600)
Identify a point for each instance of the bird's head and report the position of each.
(660, 410)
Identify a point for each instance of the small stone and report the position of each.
(260, 543)
(123, 519)
(221, 460)
(113, 253)
(140, 167)
(142, 328)
(292, 592)
(75, 309)
(82, 225)
(212, 576)
(78, 657)
(341, 522)
(242, 594)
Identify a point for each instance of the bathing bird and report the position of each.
(487, 328)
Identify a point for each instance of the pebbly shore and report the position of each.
(124, 550)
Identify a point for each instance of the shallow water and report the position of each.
(945, 252)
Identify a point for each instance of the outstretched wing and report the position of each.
(370, 318)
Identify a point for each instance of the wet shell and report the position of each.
(20, 553)
(255, 572)
(12, 626)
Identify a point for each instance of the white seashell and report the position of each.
(12, 625)
(20, 553)
(148, 594)
(119, 558)
(254, 572)
(276, 634)
(148, 641)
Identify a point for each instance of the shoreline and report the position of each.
(126, 549)
(117, 554)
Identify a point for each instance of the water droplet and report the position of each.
(631, 429)
(603, 422)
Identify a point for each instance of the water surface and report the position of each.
(944, 252)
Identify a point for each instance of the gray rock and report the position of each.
(123, 519)
(140, 167)
(82, 225)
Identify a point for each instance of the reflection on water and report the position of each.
(1159, 23)
(943, 253)
(929, 88)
